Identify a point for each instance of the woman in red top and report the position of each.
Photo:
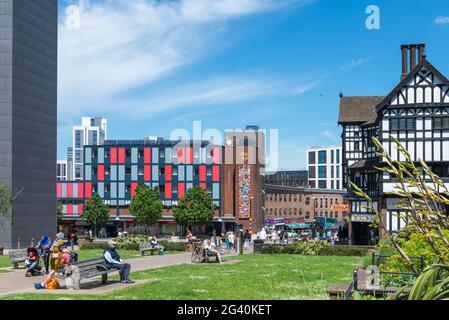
(52, 282)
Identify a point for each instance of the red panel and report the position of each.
(121, 155)
(147, 173)
(168, 173)
(69, 209)
(69, 190)
(189, 156)
(216, 156)
(113, 155)
(80, 209)
(203, 186)
(181, 190)
(168, 190)
(88, 190)
(147, 155)
(216, 173)
(59, 190)
(181, 158)
(100, 172)
(203, 173)
(80, 190)
(134, 185)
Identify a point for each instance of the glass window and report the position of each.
(322, 172)
(312, 157)
(441, 123)
(322, 157)
(322, 184)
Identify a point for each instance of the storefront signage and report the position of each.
(340, 207)
(363, 218)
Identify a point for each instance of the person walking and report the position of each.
(247, 239)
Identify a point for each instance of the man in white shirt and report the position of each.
(211, 250)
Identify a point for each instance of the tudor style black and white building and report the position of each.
(417, 113)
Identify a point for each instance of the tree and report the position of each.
(59, 212)
(146, 206)
(195, 209)
(6, 199)
(95, 212)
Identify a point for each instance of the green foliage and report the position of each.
(6, 199)
(132, 243)
(146, 205)
(315, 248)
(432, 284)
(95, 212)
(423, 195)
(59, 212)
(195, 209)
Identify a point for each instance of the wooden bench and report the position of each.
(144, 247)
(87, 269)
(17, 256)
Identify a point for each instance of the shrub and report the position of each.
(132, 243)
(84, 245)
(315, 248)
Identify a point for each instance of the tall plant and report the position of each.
(95, 212)
(424, 196)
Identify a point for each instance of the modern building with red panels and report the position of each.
(226, 172)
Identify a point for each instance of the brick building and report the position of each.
(304, 204)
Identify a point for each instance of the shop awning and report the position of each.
(298, 225)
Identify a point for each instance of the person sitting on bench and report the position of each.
(211, 250)
(113, 261)
(155, 244)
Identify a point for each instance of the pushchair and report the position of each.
(32, 263)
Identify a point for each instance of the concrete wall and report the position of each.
(29, 114)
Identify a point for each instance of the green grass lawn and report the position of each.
(255, 277)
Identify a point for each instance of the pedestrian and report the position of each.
(44, 250)
(263, 235)
(247, 238)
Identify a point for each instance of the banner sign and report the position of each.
(245, 192)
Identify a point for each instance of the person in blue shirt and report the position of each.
(44, 250)
(113, 261)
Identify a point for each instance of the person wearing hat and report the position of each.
(113, 261)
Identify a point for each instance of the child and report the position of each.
(32, 263)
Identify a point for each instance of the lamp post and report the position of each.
(250, 215)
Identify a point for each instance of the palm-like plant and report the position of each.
(425, 197)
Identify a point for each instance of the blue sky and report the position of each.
(152, 66)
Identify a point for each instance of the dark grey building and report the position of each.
(28, 116)
(292, 178)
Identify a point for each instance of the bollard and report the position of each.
(32, 242)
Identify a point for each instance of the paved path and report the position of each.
(15, 282)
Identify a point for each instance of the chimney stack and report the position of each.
(421, 52)
(404, 49)
(412, 56)
(412, 48)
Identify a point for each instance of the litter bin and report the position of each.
(258, 246)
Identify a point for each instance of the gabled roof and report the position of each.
(369, 163)
(423, 64)
(360, 109)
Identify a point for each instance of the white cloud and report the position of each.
(332, 136)
(442, 20)
(301, 89)
(122, 45)
(356, 63)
